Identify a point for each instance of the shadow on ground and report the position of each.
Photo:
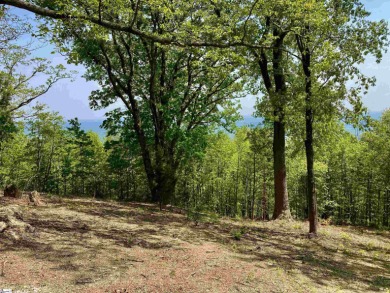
(71, 233)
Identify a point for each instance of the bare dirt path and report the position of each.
(82, 245)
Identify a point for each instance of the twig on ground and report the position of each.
(3, 268)
(250, 286)
(135, 260)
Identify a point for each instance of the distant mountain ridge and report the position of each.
(94, 125)
(91, 125)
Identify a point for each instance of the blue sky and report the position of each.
(70, 99)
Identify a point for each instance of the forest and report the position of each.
(226, 175)
(172, 74)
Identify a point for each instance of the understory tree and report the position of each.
(329, 57)
(20, 76)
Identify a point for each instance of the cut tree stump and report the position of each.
(12, 191)
(34, 198)
(11, 224)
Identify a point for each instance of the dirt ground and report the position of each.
(83, 245)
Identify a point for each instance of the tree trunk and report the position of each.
(246, 192)
(254, 187)
(264, 202)
(236, 187)
(165, 185)
(386, 204)
(378, 209)
(65, 183)
(312, 196)
(165, 179)
(282, 209)
(309, 117)
(278, 101)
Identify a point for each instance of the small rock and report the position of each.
(3, 226)
(12, 235)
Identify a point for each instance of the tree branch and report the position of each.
(172, 40)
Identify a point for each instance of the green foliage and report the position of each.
(351, 176)
(20, 74)
(178, 68)
(195, 215)
(171, 97)
(222, 180)
(381, 282)
(237, 233)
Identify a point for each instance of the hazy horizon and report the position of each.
(94, 124)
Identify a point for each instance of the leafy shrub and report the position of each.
(237, 233)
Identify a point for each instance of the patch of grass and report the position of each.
(324, 233)
(376, 255)
(327, 265)
(370, 246)
(362, 252)
(129, 241)
(235, 247)
(238, 233)
(337, 271)
(348, 252)
(297, 226)
(250, 277)
(307, 257)
(213, 218)
(198, 216)
(381, 282)
(386, 265)
(345, 236)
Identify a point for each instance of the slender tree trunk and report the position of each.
(309, 118)
(312, 197)
(386, 206)
(65, 186)
(264, 198)
(236, 187)
(350, 206)
(134, 183)
(378, 212)
(246, 192)
(48, 169)
(369, 190)
(311, 189)
(254, 187)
